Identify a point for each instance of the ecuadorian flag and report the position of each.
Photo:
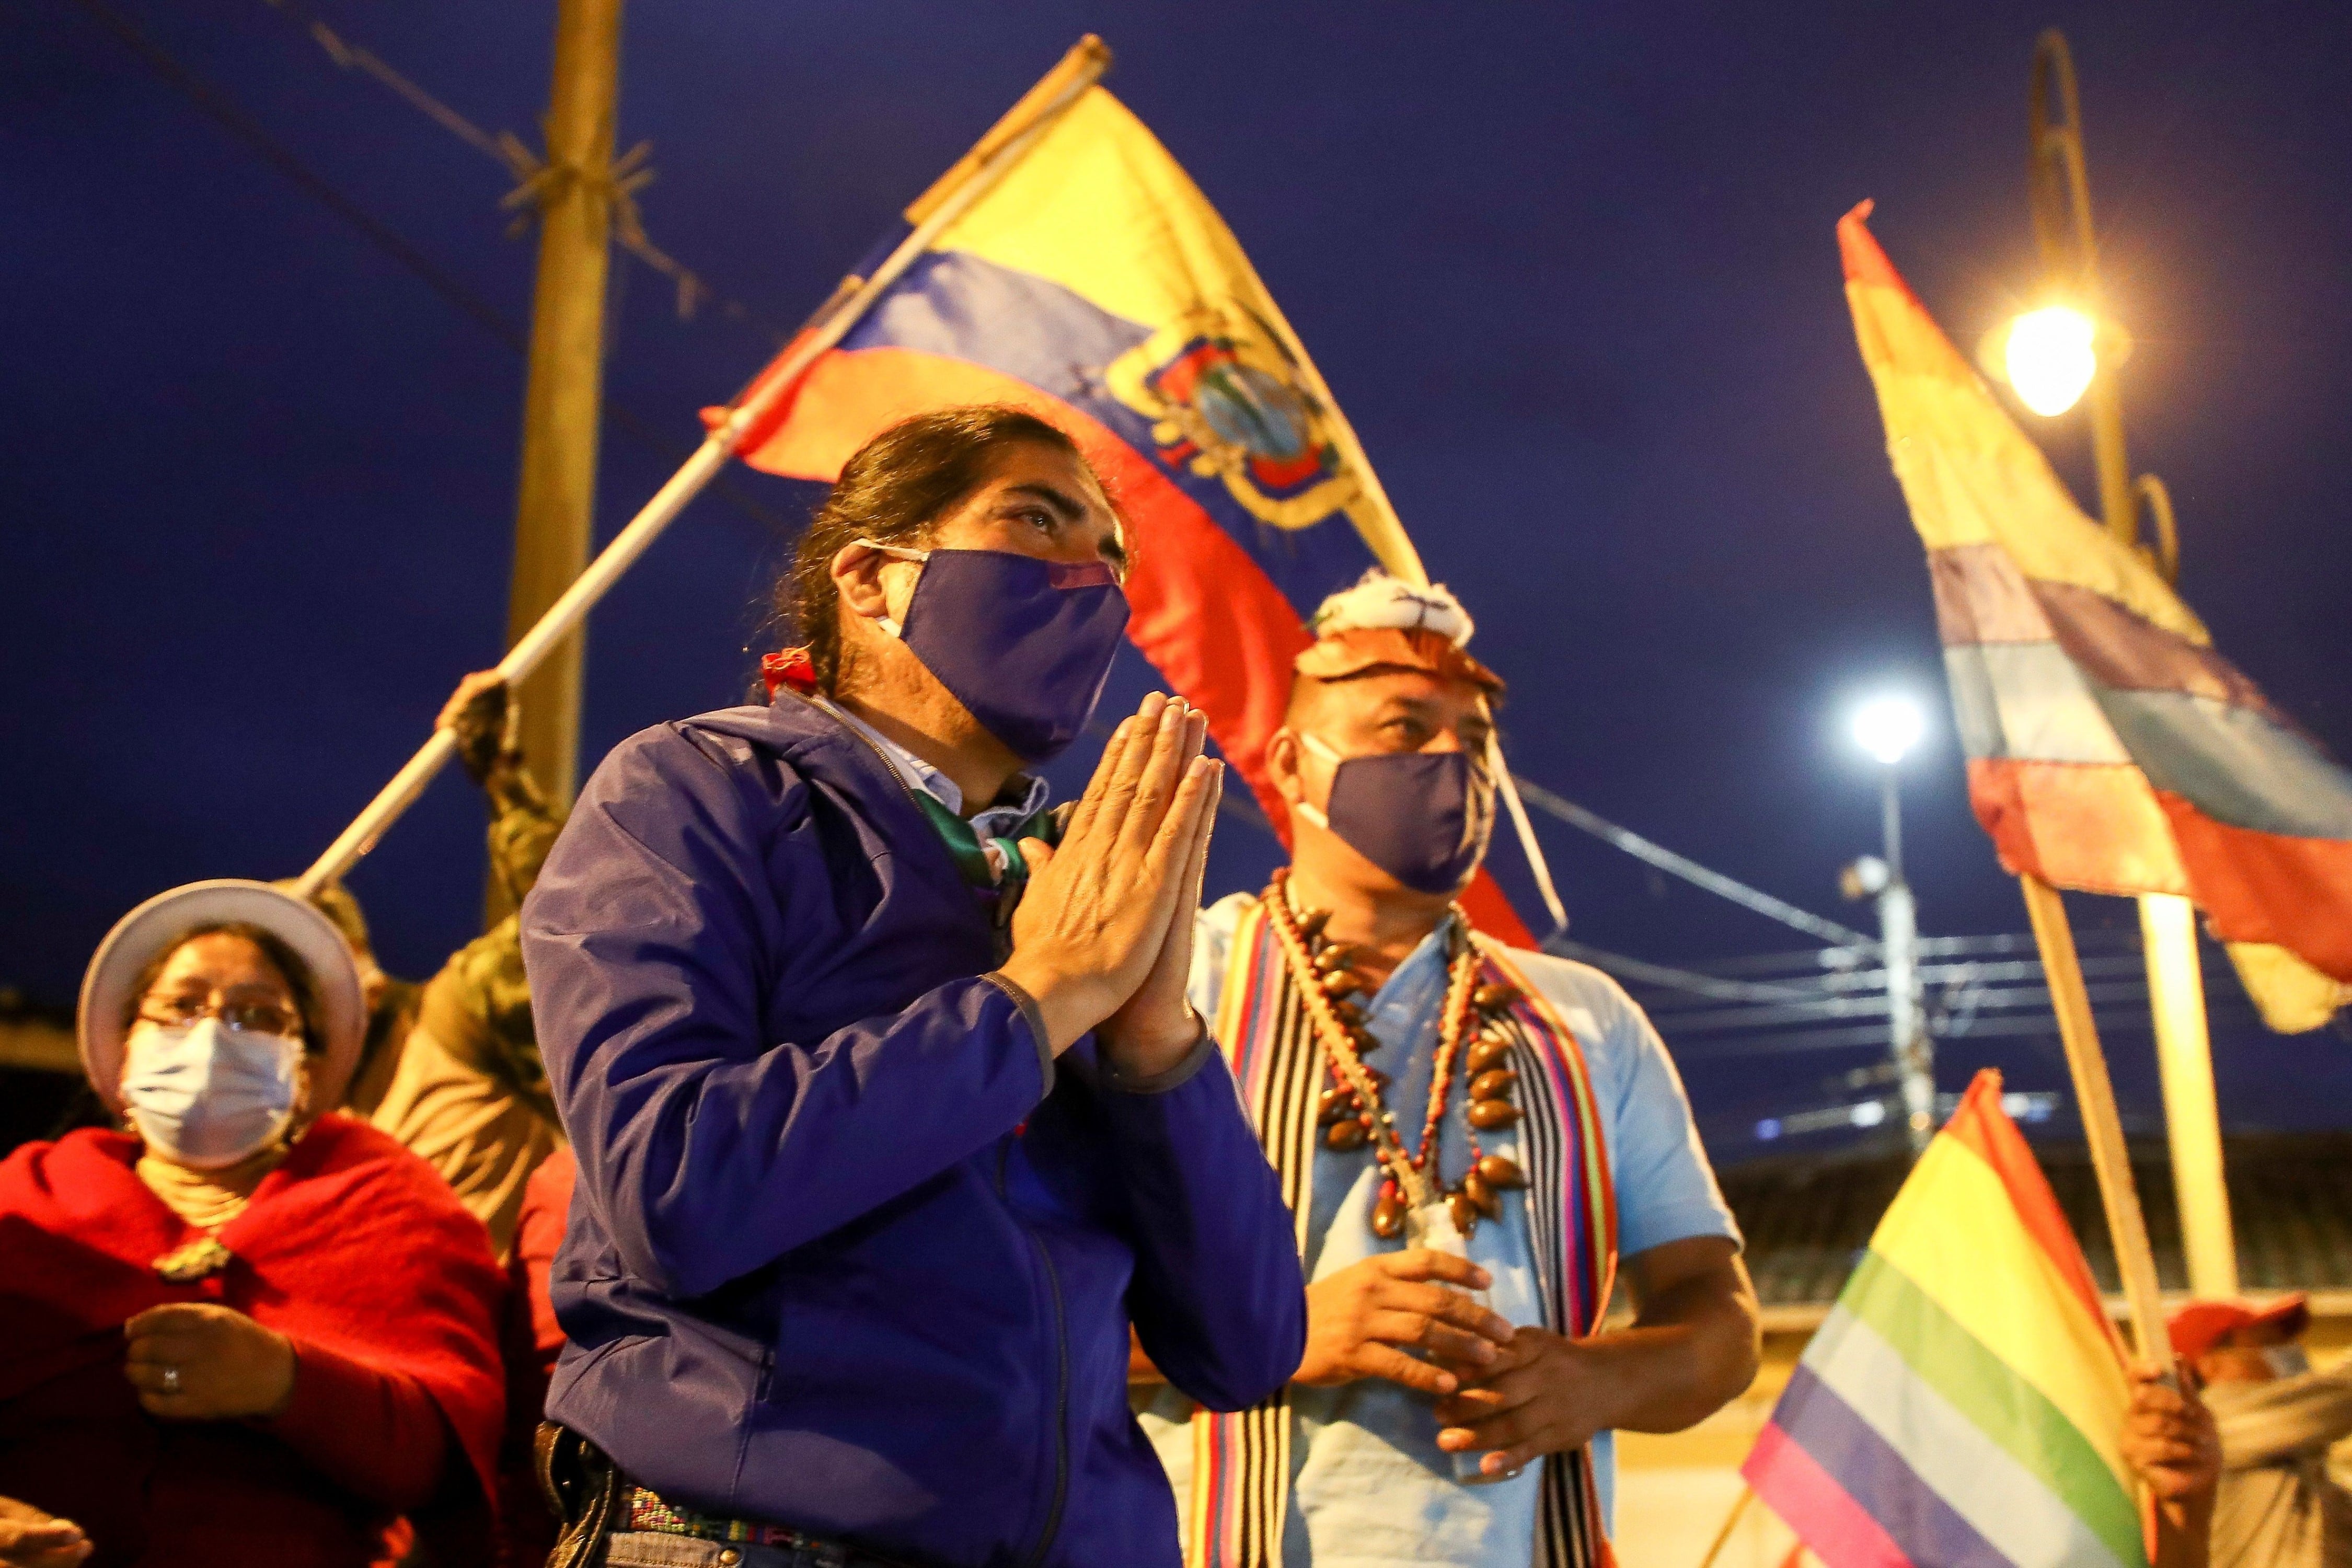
(1096, 285)
(2111, 747)
(1962, 1406)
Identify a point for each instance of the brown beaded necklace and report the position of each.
(1353, 1112)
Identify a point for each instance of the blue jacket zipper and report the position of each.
(1062, 1385)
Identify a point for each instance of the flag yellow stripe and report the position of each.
(1099, 207)
(1972, 476)
(1953, 1232)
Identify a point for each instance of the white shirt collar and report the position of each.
(920, 774)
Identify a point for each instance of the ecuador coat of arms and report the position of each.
(1226, 402)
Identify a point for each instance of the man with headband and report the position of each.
(1476, 1139)
(884, 1089)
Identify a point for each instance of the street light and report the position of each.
(2037, 363)
(2067, 352)
(2050, 357)
(1887, 728)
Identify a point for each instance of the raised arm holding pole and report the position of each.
(971, 177)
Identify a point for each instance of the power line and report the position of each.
(1688, 982)
(217, 106)
(1690, 870)
(531, 173)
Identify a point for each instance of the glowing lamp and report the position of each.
(2048, 357)
(1889, 727)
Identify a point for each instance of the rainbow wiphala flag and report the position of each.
(1962, 1406)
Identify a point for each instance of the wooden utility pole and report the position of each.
(562, 399)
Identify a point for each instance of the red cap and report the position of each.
(2199, 1326)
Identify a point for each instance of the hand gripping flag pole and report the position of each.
(756, 407)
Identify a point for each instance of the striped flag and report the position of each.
(2111, 748)
(1962, 1405)
(1096, 285)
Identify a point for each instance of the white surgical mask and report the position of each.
(208, 1096)
(2287, 1360)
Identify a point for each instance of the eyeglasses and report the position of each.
(237, 1016)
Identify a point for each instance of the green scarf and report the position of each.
(972, 861)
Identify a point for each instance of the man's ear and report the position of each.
(856, 572)
(1282, 764)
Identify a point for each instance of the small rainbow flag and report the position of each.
(1962, 1405)
(1096, 286)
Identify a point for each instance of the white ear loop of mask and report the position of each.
(896, 552)
(1329, 753)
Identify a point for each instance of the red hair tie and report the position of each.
(793, 667)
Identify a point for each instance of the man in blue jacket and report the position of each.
(890, 1110)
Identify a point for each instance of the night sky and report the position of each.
(1570, 270)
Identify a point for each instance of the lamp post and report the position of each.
(1887, 728)
(2052, 356)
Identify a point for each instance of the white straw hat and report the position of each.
(165, 920)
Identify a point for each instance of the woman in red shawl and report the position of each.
(239, 1332)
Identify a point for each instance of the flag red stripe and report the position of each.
(2269, 888)
(2093, 827)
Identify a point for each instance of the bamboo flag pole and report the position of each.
(1730, 1523)
(971, 177)
(2135, 1260)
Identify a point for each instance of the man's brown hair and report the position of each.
(891, 493)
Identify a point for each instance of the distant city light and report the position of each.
(1869, 1113)
(1889, 727)
(2049, 358)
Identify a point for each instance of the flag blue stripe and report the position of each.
(1878, 1477)
(2237, 766)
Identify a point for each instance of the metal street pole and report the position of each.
(1898, 934)
(2058, 184)
(564, 395)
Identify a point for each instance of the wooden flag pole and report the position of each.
(2095, 1095)
(974, 175)
(1730, 1523)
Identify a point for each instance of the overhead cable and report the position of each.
(1643, 971)
(531, 173)
(1690, 870)
(225, 111)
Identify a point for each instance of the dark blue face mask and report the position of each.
(1024, 644)
(1421, 817)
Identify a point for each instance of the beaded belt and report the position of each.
(647, 1511)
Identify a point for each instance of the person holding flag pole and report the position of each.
(2111, 750)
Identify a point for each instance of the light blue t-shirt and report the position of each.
(1369, 1487)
